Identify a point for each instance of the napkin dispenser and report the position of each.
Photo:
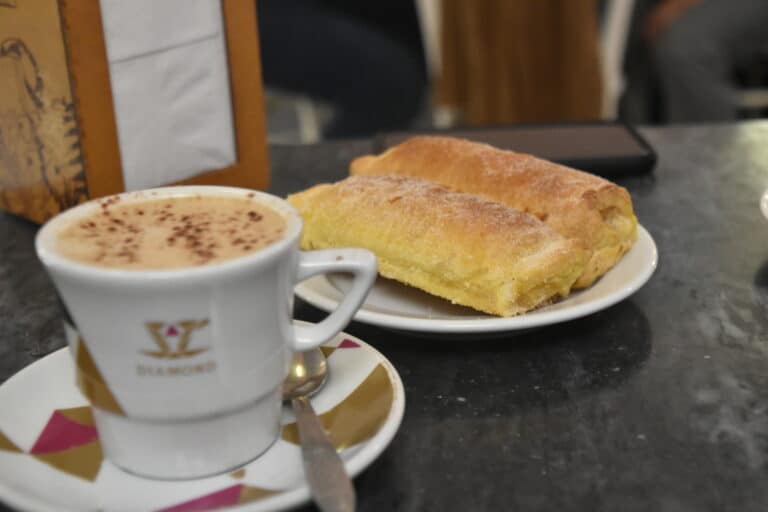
(102, 96)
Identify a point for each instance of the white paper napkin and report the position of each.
(170, 87)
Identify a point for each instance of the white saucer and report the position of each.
(764, 204)
(396, 306)
(50, 457)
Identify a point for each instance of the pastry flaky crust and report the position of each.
(458, 246)
(573, 203)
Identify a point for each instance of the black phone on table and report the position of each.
(609, 149)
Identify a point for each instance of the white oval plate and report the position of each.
(50, 457)
(396, 306)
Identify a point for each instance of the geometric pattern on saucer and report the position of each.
(68, 442)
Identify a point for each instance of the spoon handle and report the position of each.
(328, 480)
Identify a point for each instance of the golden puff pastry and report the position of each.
(573, 203)
(461, 247)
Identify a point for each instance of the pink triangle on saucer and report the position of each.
(61, 433)
(348, 343)
(172, 331)
(223, 498)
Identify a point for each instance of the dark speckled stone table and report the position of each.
(658, 403)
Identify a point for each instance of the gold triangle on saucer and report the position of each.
(81, 461)
(248, 493)
(82, 415)
(239, 474)
(7, 445)
(359, 416)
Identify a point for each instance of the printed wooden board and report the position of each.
(58, 136)
(41, 166)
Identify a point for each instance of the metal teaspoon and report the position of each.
(329, 483)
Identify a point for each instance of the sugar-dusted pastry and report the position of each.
(461, 247)
(573, 203)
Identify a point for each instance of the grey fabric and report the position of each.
(697, 54)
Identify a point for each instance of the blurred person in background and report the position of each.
(697, 46)
(365, 59)
(509, 61)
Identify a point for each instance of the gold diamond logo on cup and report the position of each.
(173, 340)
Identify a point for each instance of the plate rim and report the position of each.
(306, 292)
(367, 453)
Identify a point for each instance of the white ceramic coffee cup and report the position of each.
(184, 367)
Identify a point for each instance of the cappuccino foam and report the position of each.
(168, 233)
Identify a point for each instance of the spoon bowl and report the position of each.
(308, 373)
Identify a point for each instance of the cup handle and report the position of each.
(361, 263)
